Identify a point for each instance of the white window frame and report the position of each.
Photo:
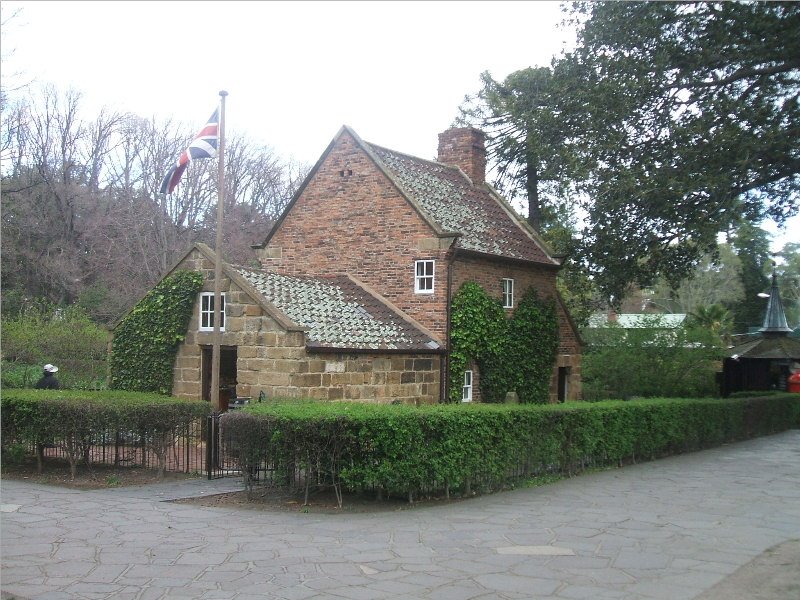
(206, 322)
(423, 279)
(466, 389)
(508, 293)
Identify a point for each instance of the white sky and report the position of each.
(295, 72)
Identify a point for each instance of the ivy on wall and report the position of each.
(147, 339)
(514, 354)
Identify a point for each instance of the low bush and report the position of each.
(649, 361)
(408, 451)
(43, 333)
(73, 420)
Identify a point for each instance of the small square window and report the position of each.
(508, 293)
(207, 312)
(466, 390)
(423, 276)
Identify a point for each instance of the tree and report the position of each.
(716, 280)
(788, 271)
(525, 139)
(686, 117)
(714, 318)
(82, 219)
(751, 245)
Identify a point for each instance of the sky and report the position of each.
(295, 72)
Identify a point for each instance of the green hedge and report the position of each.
(72, 419)
(409, 451)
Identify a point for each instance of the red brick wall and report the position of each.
(464, 147)
(351, 219)
(489, 275)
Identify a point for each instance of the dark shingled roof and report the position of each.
(771, 347)
(455, 205)
(338, 313)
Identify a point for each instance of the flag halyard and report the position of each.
(204, 145)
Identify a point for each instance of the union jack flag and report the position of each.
(203, 146)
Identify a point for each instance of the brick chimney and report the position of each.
(464, 147)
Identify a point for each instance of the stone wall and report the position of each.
(276, 361)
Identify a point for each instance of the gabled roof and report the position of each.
(479, 219)
(778, 348)
(486, 224)
(339, 313)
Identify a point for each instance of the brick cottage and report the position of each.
(353, 296)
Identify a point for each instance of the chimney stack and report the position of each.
(464, 147)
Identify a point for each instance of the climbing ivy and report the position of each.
(514, 354)
(146, 341)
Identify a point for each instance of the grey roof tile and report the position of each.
(455, 205)
(338, 313)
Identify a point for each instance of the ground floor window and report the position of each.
(466, 390)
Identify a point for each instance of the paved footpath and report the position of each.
(705, 525)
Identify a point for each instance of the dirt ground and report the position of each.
(270, 498)
(56, 472)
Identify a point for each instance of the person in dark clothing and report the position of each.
(48, 380)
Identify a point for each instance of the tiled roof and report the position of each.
(450, 201)
(338, 313)
(774, 348)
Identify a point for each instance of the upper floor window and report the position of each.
(508, 293)
(466, 389)
(207, 312)
(423, 278)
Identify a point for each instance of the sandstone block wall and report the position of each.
(276, 361)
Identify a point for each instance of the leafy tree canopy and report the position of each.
(525, 140)
(669, 123)
(687, 115)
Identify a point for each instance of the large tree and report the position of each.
(788, 271)
(525, 140)
(751, 245)
(687, 116)
(82, 219)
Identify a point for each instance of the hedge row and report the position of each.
(410, 451)
(73, 420)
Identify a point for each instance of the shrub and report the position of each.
(43, 333)
(74, 420)
(410, 451)
(648, 362)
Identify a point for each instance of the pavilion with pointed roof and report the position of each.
(765, 360)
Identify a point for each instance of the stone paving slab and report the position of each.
(675, 529)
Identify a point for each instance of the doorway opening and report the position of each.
(563, 383)
(227, 374)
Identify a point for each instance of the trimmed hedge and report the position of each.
(409, 451)
(73, 419)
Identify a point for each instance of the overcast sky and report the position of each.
(295, 72)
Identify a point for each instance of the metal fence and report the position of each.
(185, 454)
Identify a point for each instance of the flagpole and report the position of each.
(215, 352)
